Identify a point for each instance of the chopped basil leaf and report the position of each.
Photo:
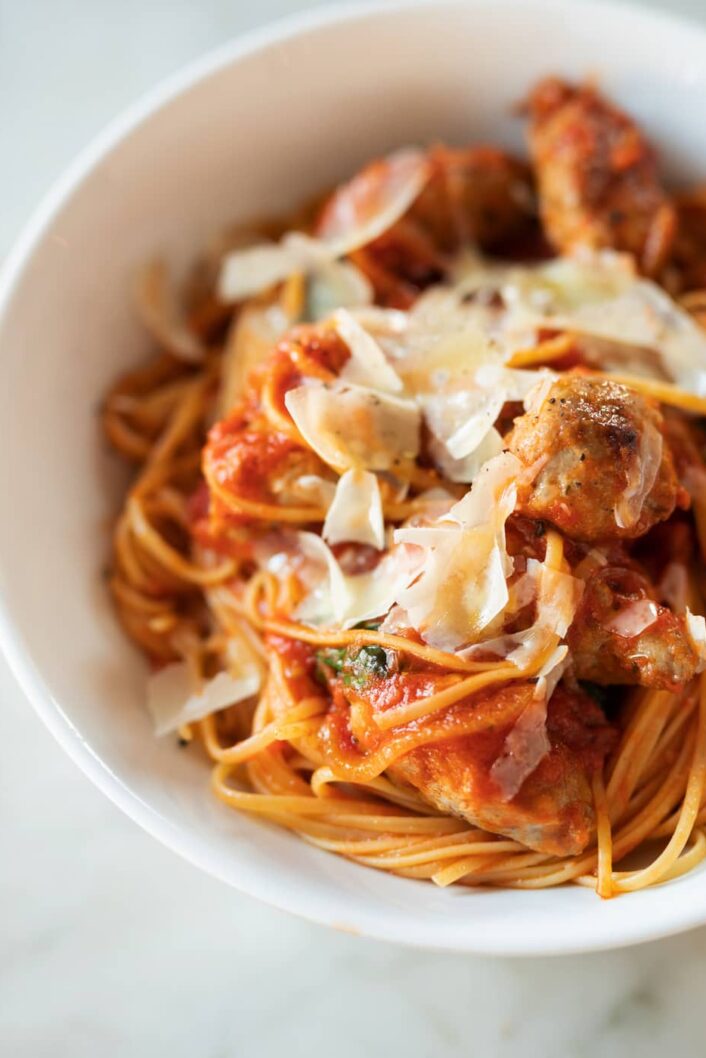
(355, 666)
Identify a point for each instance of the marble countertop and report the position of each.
(109, 944)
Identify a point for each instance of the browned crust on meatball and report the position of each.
(553, 811)
(659, 656)
(476, 194)
(581, 450)
(597, 176)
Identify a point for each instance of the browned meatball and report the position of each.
(598, 467)
(688, 260)
(597, 176)
(618, 602)
(475, 194)
(552, 811)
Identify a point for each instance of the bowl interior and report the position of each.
(254, 130)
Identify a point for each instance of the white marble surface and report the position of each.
(109, 944)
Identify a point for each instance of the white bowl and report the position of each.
(252, 129)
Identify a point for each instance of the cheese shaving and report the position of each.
(594, 294)
(358, 213)
(353, 427)
(463, 587)
(367, 365)
(642, 475)
(251, 336)
(461, 420)
(466, 469)
(557, 596)
(174, 698)
(337, 600)
(310, 488)
(696, 631)
(252, 270)
(525, 747)
(334, 285)
(159, 309)
(551, 672)
(355, 514)
(373, 201)
(633, 619)
(528, 743)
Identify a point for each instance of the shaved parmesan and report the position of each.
(461, 416)
(355, 514)
(458, 379)
(328, 600)
(525, 747)
(159, 311)
(491, 500)
(174, 699)
(431, 359)
(696, 631)
(382, 323)
(463, 587)
(535, 397)
(598, 295)
(527, 744)
(461, 420)
(252, 335)
(249, 271)
(358, 213)
(522, 593)
(633, 619)
(351, 426)
(609, 302)
(557, 596)
(367, 365)
(396, 621)
(551, 672)
(465, 470)
(334, 285)
(337, 600)
(642, 475)
(373, 201)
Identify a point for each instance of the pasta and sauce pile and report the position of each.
(415, 539)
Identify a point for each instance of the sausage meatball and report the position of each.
(597, 465)
(597, 176)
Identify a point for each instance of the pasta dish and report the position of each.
(414, 543)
